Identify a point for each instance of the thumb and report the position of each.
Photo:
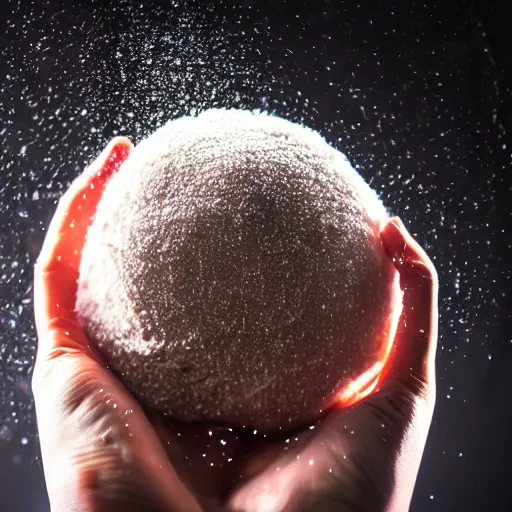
(412, 358)
(406, 385)
(99, 450)
(400, 412)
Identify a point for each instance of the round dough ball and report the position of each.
(234, 272)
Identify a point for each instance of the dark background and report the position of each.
(416, 94)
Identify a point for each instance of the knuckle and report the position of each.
(419, 269)
(110, 486)
(415, 385)
(114, 484)
(398, 399)
(62, 378)
(48, 364)
(393, 402)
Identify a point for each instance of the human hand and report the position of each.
(99, 451)
(365, 457)
(102, 451)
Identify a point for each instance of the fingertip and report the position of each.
(121, 140)
(109, 161)
(397, 221)
(56, 269)
(393, 238)
(118, 144)
(118, 148)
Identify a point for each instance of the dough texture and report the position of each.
(234, 272)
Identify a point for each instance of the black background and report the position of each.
(418, 95)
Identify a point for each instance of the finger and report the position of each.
(56, 270)
(415, 342)
(97, 445)
(99, 450)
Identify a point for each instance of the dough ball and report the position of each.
(234, 272)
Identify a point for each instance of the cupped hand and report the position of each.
(102, 451)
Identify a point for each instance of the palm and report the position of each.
(321, 465)
(247, 471)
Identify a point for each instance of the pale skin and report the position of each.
(102, 451)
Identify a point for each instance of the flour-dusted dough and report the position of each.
(234, 272)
